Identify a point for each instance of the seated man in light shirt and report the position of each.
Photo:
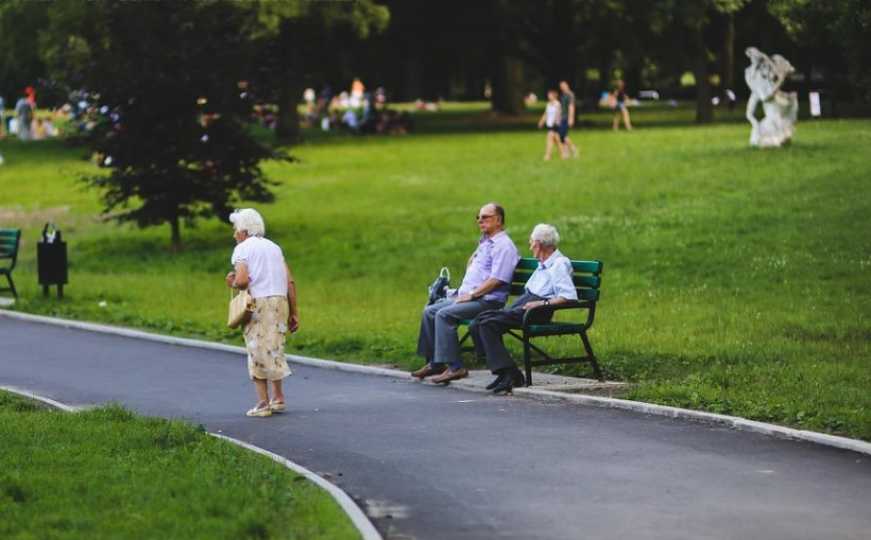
(485, 287)
(550, 284)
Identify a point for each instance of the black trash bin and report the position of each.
(51, 260)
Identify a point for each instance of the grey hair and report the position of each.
(545, 234)
(248, 220)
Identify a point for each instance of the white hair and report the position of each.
(545, 234)
(248, 220)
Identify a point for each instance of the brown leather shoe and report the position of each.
(451, 375)
(428, 370)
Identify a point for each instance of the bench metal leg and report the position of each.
(527, 360)
(11, 284)
(589, 350)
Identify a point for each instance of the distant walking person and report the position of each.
(2, 117)
(621, 108)
(551, 117)
(23, 117)
(259, 266)
(567, 102)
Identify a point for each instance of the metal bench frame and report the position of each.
(10, 239)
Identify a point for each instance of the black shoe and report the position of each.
(497, 381)
(512, 378)
(517, 378)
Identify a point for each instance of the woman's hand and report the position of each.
(231, 279)
(293, 322)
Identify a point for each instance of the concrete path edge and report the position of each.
(734, 422)
(345, 502)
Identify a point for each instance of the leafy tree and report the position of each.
(828, 27)
(20, 63)
(171, 130)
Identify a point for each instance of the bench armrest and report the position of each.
(571, 304)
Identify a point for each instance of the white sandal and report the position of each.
(260, 410)
(277, 406)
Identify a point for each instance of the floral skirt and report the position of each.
(264, 339)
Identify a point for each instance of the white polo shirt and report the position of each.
(267, 275)
(553, 278)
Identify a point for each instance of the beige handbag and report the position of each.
(241, 307)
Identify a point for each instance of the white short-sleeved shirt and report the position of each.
(553, 278)
(267, 275)
(554, 112)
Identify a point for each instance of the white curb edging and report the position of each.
(354, 512)
(36, 397)
(347, 504)
(735, 422)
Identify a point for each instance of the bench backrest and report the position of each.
(9, 239)
(587, 277)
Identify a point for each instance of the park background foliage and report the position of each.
(736, 281)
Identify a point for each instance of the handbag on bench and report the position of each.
(439, 287)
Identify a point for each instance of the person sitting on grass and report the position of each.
(485, 286)
(550, 285)
(551, 117)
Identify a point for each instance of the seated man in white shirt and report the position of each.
(550, 284)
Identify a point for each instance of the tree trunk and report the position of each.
(508, 86)
(727, 55)
(632, 76)
(175, 242)
(287, 123)
(704, 107)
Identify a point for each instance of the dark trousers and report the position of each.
(489, 327)
(438, 340)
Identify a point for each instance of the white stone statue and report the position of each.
(764, 76)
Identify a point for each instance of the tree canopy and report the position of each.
(170, 91)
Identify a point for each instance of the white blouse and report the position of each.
(267, 275)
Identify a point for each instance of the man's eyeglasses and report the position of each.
(482, 217)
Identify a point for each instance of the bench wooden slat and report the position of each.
(529, 264)
(580, 280)
(591, 295)
(592, 267)
(554, 329)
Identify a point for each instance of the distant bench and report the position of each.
(587, 279)
(9, 241)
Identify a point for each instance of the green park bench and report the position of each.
(587, 279)
(9, 240)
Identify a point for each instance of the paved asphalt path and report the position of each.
(440, 463)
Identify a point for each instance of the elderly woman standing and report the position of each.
(550, 285)
(259, 266)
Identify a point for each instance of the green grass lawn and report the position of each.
(736, 280)
(107, 473)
